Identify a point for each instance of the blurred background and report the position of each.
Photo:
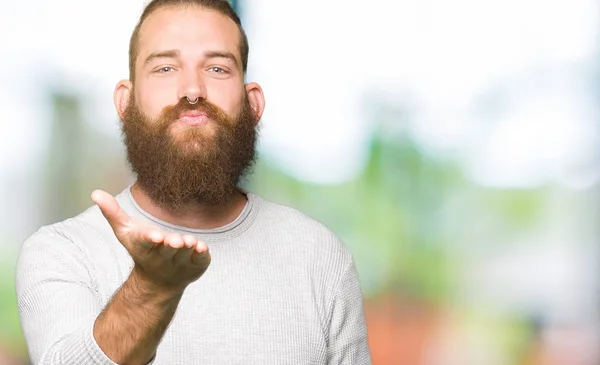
(453, 145)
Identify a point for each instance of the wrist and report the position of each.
(150, 288)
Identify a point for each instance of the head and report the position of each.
(219, 6)
(186, 154)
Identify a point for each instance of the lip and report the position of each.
(193, 118)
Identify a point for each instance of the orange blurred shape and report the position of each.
(400, 330)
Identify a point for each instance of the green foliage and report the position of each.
(10, 329)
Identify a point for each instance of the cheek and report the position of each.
(153, 100)
(230, 100)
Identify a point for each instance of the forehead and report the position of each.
(191, 29)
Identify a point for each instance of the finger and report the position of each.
(116, 217)
(166, 251)
(189, 246)
(172, 243)
(201, 247)
(190, 241)
(141, 232)
(201, 258)
(152, 234)
(174, 240)
(201, 254)
(184, 255)
(148, 237)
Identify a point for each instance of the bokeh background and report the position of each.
(453, 145)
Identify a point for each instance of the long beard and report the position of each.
(180, 166)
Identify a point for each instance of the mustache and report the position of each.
(213, 112)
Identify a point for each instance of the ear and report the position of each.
(256, 98)
(121, 96)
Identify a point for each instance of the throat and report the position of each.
(193, 216)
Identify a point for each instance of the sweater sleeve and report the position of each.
(57, 300)
(347, 328)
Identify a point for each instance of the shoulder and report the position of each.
(57, 251)
(86, 230)
(86, 224)
(304, 231)
(70, 244)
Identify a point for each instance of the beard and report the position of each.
(181, 166)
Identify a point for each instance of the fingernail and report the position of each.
(155, 236)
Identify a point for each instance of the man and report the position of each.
(184, 267)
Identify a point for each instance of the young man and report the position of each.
(183, 267)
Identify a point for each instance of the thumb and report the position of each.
(116, 217)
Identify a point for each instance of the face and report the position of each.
(187, 154)
(188, 52)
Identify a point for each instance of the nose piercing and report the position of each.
(189, 101)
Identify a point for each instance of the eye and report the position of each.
(218, 70)
(164, 70)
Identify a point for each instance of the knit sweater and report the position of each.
(281, 289)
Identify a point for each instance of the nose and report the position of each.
(192, 86)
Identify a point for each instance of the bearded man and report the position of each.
(184, 266)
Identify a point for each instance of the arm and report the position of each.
(61, 313)
(347, 328)
(132, 325)
(57, 301)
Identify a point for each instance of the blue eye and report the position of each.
(217, 70)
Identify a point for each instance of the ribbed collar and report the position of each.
(224, 233)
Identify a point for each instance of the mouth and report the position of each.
(193, 118)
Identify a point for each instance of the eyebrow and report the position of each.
(220, 54)
(173, 53)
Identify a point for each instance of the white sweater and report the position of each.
(280, 289)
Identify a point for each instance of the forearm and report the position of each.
(132, 325)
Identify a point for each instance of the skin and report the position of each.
(184, 52)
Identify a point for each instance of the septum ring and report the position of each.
(195, 101)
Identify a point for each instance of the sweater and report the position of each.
(281, 289)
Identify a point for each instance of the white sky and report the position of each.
(316, 59)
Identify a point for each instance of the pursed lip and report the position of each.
(193, 117)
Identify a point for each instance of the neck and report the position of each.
(194, 216)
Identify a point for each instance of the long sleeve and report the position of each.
(348, 342)
(57, 300)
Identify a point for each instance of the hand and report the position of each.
(165, 259)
